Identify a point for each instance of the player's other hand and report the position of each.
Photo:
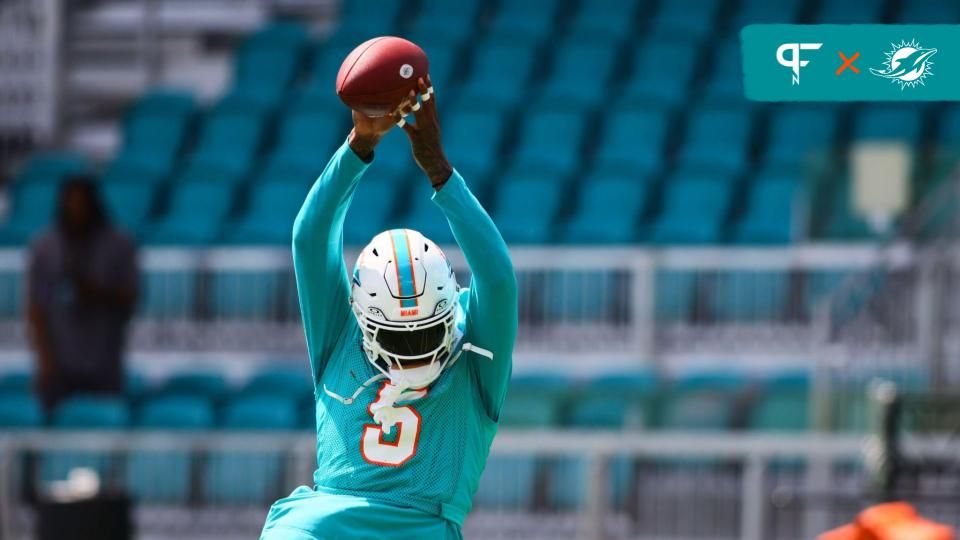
(368, 131)
(425, 133)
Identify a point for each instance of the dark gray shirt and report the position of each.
(85, 339)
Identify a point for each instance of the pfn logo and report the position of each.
(794, 62)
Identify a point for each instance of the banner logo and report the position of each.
(794, 62)
(907, 64)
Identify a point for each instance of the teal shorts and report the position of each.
(313, 515)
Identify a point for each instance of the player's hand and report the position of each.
(366, 133)
(425, 134)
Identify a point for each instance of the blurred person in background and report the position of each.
(81, 293)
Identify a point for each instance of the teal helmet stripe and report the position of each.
(404, 262)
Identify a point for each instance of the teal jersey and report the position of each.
(431, 461)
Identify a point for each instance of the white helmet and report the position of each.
(404, 297)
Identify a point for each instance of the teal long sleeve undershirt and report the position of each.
(323, 284)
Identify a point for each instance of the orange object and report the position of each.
(890, 521)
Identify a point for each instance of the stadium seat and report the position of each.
(167, 294)
(620, 401)
(507, 482)
(440, 34)
(581, 74)
(498, 78)
(949, 131)
(535, 401)
(725, 84)
(551, 141)
(293, 167)
(16, 382)
(288, 383)
(472, 141)
(51, 167)
(593, 21)
(355, 24)
(929, 12)
(864, 12)
(686, 17)
(11, 295)
(750, 296)
(307, 133)
(512, 214)
(32, 208)
(208, 386)
(763, 12)
(526, 22)
(270, 216)
(718, 140)
(782, 406)
(372, 209)
(128, 203)
(229, 138)
(235, 477)
(697, 410)
(327, 58)
(20, 411)
(423, 215)
(773, 210)
(657, 87)
(799, 135)
(195, 214)
(843, 222)
(633, 140)
(675, 293)
(694, 210)
(154, 130)
(165, 476)
(890, 122)
(608, 209)
(267, 62)
(92, 412)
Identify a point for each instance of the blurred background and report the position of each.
(738, 320)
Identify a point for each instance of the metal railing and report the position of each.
(587, 485)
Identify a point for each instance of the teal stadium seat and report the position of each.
(725, 85)
(902, 122)
(129, 203)
(12, 285)
(843, 222)
(551, 141)
(633, 141)
(154, 131)
(498, 78)
(718, 140)
(763, 12)
(85, 413)
(697, 410)
(283, 382)
(694, 210)
(167, 294)
(16, 382)
(750, 296)
(373, 206)
(608, 209)
(229, 140)
(783, 404)
(472, 140)
(443, 51)
(648, 86)
(203, 385)
(686, 17)
(581, 74)
(247, 478)
(593, 20)
(949, 132)
(309, 137)
(929, 12)
(356, 25)
(32, 208)
(327, 58)
(512, 214)
(800, 135)
(865, 12)
(164, 477)
(393, 160)
(423, 215)
(527, 22)
(773, 210)
(268, 61)
(20, 411)
(268, 220)
(195, 214)
(51, 167)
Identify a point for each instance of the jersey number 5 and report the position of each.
(391, 454)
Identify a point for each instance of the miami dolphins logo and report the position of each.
(907, 64)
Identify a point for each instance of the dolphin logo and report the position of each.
(907, 64)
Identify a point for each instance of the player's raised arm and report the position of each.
(318, 239)
(492, 307)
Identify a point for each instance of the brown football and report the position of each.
(377, 75)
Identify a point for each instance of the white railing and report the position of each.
(742, 464)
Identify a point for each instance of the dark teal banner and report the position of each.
(859, 62)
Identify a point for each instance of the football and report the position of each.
(377, 75)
